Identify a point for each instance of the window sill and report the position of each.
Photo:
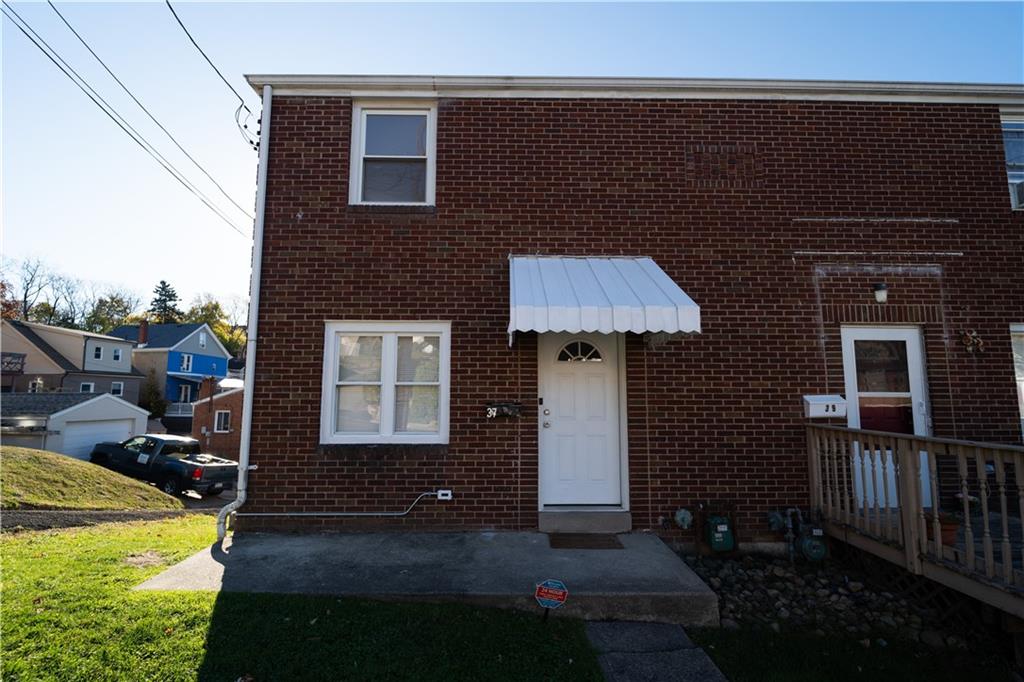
(415, 209)
(385, 450)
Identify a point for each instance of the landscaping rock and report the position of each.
(822, 599)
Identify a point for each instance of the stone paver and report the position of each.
(650, 652)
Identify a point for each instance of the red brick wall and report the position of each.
(221, 444)
(776, 217)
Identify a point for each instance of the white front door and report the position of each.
(885, 391)
(579, 419)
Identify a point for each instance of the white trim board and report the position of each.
(99, 396)
(420, 86)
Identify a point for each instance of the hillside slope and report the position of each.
(38, 479)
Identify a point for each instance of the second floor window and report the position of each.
(393, 156)
(186, 363)
(117, 355)
(97, 352)
(1013, 145)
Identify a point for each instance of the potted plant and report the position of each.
(949, 524)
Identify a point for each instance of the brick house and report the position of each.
(215, 420)
(587, 303)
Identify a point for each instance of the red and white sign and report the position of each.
(551, 594)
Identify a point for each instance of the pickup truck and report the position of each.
(174, 463)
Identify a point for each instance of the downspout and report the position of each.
(254, 313)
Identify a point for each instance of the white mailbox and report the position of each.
(821, 406)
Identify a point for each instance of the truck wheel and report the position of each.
(170, 486)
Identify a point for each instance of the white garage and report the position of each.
(69, 423)
(80, 437)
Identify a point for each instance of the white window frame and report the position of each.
(186, 362)
(36, 386)
(185, 388)
(202, 339)
(358, 147)
(97, 353)
(117, 355)
(117, 388)
(390, 331)
(216, 421)
(90, 384)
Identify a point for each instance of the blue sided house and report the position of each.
(181, 356)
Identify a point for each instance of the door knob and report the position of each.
(547, 425)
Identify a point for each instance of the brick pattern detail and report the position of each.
(712, 166)
(711, 417)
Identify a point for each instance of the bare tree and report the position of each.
(34, 278)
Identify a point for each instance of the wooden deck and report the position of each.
(882, 493)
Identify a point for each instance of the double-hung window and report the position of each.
(117, 355)
(385, 382)
(97, 353)
(117, 388)
(222, 421)
(1013, 146)
(186, 362)
(393, 154)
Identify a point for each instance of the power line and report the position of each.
(141, 106)
(241, 126)
(105, 107)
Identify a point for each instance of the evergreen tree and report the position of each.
(163, 306)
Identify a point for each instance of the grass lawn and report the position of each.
(764, 656)
(45, 480)
(69, 613)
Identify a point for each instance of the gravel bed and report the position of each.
(15, 520)
(826, 599)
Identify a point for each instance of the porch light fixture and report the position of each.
(881, 292)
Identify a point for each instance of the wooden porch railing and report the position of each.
(935, 505)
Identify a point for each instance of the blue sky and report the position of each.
(80, 194)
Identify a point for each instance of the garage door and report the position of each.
(79, 437)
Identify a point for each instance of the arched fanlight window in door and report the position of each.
(579, 351)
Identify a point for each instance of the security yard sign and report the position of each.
(551, 594)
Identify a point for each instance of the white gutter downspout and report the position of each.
(254, 310)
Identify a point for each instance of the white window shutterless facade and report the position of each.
(385, 382)
(393, 159)
(884, 373)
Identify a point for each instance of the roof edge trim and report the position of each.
(635, 88)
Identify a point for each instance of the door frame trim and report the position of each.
(620, 349)
(850, 372)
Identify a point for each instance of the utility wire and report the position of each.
(141, 106)
(241, 127)
(96, 98)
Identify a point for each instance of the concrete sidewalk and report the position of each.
(643, 581)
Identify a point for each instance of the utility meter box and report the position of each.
(823, 406)
(720, 535)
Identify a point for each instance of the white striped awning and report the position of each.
(616, 294)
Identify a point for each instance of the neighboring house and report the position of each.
(39, 358)
(69, 423)
(181, 355)
(491, 285)
(216, 422)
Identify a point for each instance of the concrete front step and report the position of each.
(584, 521)
(643, 581)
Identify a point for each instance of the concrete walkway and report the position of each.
(643, 581)
(649, 652)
